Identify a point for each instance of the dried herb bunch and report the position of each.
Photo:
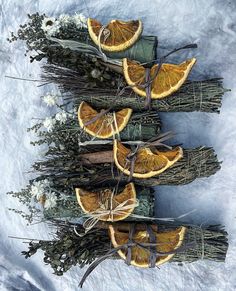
(70, 169)
(68, 249)
(25, 197)
(65, 27)
(83, 76)
(205, 96)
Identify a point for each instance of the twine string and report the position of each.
(116, 125)
(106, 33)
(97, 116)
(157, 141)
(148, 89)
(153, 249)
(149, 80)
(107, 209)
(112, 122)
(131, 243)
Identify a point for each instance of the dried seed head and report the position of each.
(95, 73)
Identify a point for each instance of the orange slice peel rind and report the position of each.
(169, 79)
(118, 35)
(106, 125)
(166, 242)
(94, 203)
(148, 163)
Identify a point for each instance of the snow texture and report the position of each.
(211, 24)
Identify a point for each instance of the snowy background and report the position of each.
(211, 24)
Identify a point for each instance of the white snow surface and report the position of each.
(211, 24)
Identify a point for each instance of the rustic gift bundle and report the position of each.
(106, 149)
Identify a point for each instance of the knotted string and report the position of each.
(120, 209)
(148, 79)
(131, 243)
(106, 33)
(113, 120)
(157, 141)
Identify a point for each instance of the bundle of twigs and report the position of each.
(69, 249)
(98, 169)
(203, 96)
(141, 126)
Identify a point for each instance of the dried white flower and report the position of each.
(50, 26)
(55, 29)
(51, 200)
(39, 188)
(80, 20)
(49, 123)
(65, 19)
(61, 117)
(50, 99)
(47, 23)
(46, 183)
(95, 73)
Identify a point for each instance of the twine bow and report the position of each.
(120, 209)
(157, 141)
(112, 122)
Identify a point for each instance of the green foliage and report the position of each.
(69, 249)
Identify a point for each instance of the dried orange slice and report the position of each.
(106, 125)
(99, 202)
(169, 79)
(166, 242)
(120, 34)
(148, 163)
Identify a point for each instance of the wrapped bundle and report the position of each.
(69, 209)
(88, 75)
(96, 168)
(205, 96)
(69, 249)
(76, 158)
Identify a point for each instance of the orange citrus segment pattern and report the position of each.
(105, 126)
(169, 79)
(120, 34)
(147, 163)
(95, 202)
(166, 242)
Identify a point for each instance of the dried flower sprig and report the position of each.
(35, 32)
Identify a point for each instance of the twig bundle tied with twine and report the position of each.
(205, 96)
(68, 249)
(97, 169)
(71, 210)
